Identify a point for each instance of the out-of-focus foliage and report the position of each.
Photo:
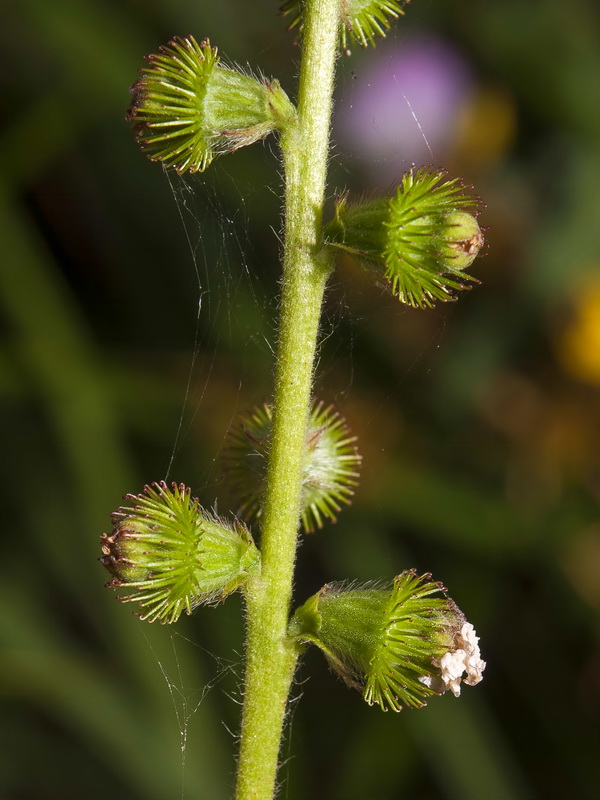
(479, 422)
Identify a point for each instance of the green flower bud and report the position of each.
(172, 556)
(188, 108)
(397, 645)
(330, 464)
(361, 20)
(422, 239)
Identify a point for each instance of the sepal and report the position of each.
(362, 21)
(331, 464)
(187, 107)
(398, 645)
(422, 238)
(170, 555)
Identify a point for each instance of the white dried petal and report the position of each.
(452, 666)
(455, 663)
(434, 681)
(474, 665)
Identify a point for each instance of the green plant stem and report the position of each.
(270, 657)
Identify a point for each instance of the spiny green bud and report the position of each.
(361, 20)
(172, 556)
(331, 462)
(397, 645)
(422, 238)
(188, 108)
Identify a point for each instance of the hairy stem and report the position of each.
(270, 658)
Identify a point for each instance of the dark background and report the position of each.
(479, 421)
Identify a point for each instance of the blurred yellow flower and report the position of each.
(487, 128)
(578, 347)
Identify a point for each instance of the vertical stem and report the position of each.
(270, 658)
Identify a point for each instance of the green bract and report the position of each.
(422, 238)
(330, 468)
(187, 107)
(362, 20)
(398, 645)
(172, 556)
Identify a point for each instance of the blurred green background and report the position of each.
(138, 312)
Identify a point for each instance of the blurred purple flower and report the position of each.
(403, 106)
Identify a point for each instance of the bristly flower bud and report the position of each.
(397, 645)
(422, 238)
(188, 108)
(362, 20)
(172, 556)
(330, 471)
